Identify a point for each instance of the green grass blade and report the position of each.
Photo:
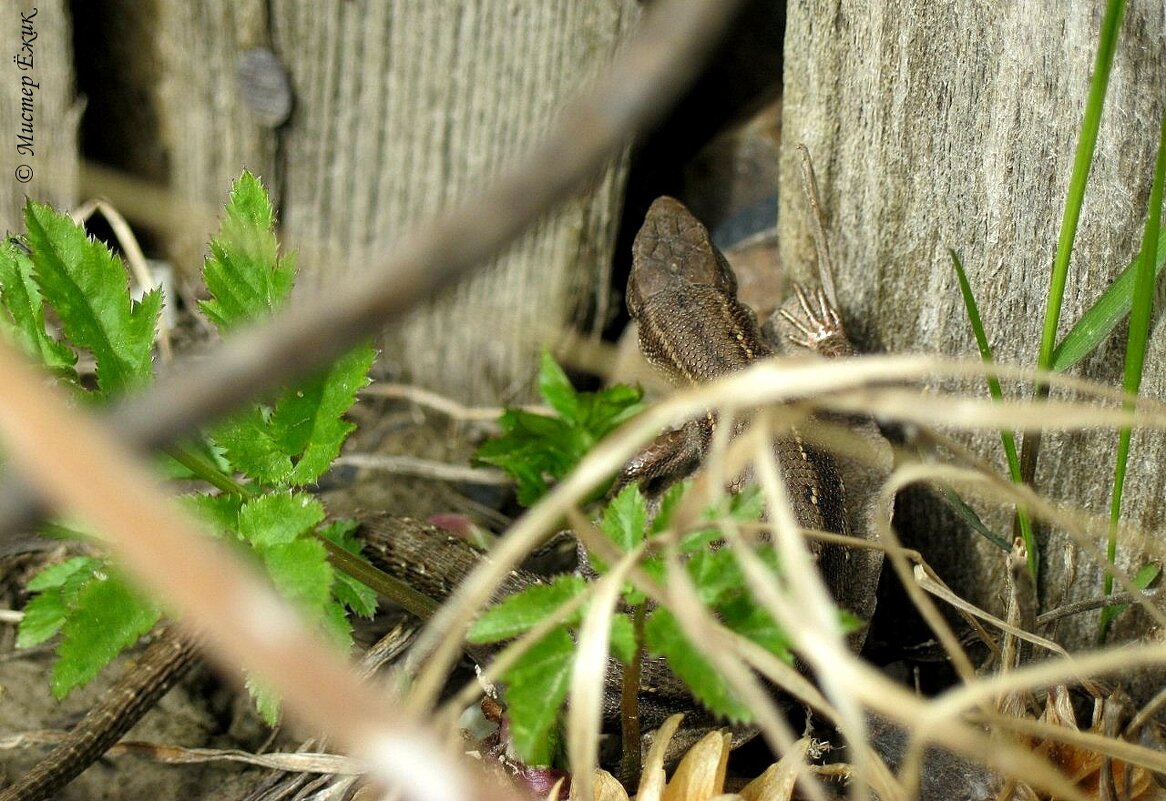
(1007, 438)
(1139, 336)
(1104, 315)
(972, 519)
(1081, 162)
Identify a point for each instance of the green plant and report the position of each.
(538, 680)
(536, 448)
(1131, 294)
(1007, 438)
(257, 463)
(537, 683)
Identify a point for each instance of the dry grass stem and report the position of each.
(1087, 530)
(485, 415)
(585, 713)
(424, 468)
(803, 607)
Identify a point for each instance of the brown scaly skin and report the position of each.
(683, 294)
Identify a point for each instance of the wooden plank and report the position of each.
(953, 125)
(403, 108)
(399, 109)
(39, 110)
(208, 130)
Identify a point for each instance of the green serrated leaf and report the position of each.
(24, 317)
(517, 613)
(624, 521)
(669, 502)
(656, 569)
(748, 619)
(537, 449)
(536, 687)
(247, 441)
(295, 441)
(299, 439)
(699, 539)
(56, 575)
(308, 423)
(278, 518)
(343, 533)
(349, 591)
(57, 587)
(108, 617)
(88, 288)
(43, 617)
(355, 595)
(192, 453)
(267, 701)
(220, 512)
(301, 571)
(555, 388)
(336, 626)
(664, 638)
(245, 275)
(532, 449)
(601, 412)
(525, 432)
(716, 574)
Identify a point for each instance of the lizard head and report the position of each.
(673, 253)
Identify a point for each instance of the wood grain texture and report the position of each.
(403, 108)
(397, 109)
(937, 125)
(208, 132)
(55, 110)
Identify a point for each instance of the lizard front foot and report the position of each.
(668, 459)
(818, 325)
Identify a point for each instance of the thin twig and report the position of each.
(1090, 604)
(440, 403)
(425, 468)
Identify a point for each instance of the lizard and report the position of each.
(682, 293)
(691, 325)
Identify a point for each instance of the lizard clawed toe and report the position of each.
(819, 324)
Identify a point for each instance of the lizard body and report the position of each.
(683, 295)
